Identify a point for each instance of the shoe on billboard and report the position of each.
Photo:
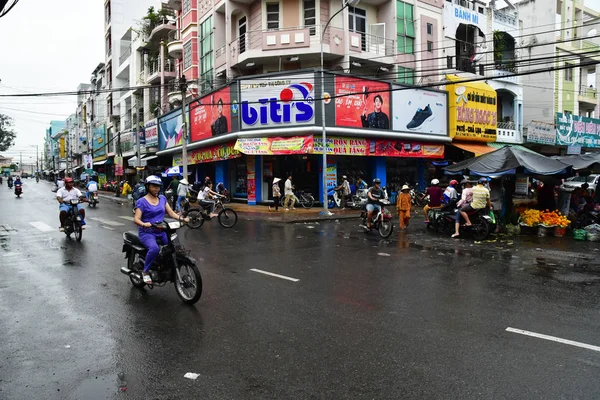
(421, 116)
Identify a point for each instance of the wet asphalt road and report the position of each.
(419, 316)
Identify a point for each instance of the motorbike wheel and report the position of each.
(307, 201)
(138, 283)
(386, 227)
(227, 218)
(190, 290)
(481, 230)
(196, 219)
(77, 229)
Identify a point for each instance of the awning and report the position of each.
(76, 168)
(497, 145)
(128, 154)
(100, 162)
(149, 158)
(475, 148)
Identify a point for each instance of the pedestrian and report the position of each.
(404, 206)
(289, 195)
(182, 191)
(126, 190)
(276, 193)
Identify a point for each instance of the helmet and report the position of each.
(376, 180)
(435, 182)
(453, 182)
(153, 180)
(68, 180)
(483, 180)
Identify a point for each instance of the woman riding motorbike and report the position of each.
(149, 210)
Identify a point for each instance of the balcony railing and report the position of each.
(125, 55)
(510, 125)
(109, 52)
(126, 119)
(587, 91)
(506, 65)
(154, 66)
(221, 51)
(173, 36)
(377, 44)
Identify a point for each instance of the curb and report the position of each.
(113, 199)
(333, 218)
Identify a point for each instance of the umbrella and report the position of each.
(510, 158)
(174, 171)
(582, 161)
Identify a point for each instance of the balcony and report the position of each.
(125, 55)
(220, 56)
(588, 95)
(367, 45)
(173, 93)
(162, 29)
(507, 133)
(175, 45)
(155, 72)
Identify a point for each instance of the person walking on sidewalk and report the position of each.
(403, 206)
(182, 191)
(290, 197)
(276, 193)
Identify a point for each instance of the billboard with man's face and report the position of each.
(211, 115)
(362, 103)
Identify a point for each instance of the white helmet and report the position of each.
(153, 180)
(435, 182)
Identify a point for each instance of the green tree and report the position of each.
(7, 134)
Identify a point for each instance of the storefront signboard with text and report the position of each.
(211, 115)
(209, 154)
(119, 166)
(420, 111)
(362, 103)
(386, 148)
(151, 132)
(277, 102)
(574, 130)
(331, 175)
(542, 133)
(275, 145)
(472, 110)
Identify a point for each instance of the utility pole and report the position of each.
(183, 88)
(137, 136)
(21, 161)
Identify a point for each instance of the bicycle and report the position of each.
(306, 200)
(226, 216)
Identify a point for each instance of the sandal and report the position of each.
(147, 279)
(455, 235)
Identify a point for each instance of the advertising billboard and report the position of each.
(209, 154)
(99, 141)
(472, 110)
(419, 111)
(362, 103)
(151, 132)
(542, 133)
(211, 115)
(277, 102)
(275, 145)
(378, 147)
(170, 130)
(573, 130)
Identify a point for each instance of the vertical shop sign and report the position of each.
(119, 166)
(522, 185)
(251, 179)
(101, 179)
(331, 175)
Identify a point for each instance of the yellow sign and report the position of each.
(472, 110)
(61, 143)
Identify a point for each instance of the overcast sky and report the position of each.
(53, 46)
(46, 46)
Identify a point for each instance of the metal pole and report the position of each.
(183, 87)
(324, 128)
(137, 136)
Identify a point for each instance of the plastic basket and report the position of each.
(559, 231)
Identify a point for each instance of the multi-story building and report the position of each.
(563, 35)
(52, 145)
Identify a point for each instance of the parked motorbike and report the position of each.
(359, 199)
(173, 264)
(222, 190)
(382, 221)
(93, 200)
(418, 198)
(73, 222)
(18, 190)
(334, 198)
(10, 185)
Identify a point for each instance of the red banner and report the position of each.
(363, 103)
(397, 148)
(211, 115)
(209, 154)
(251, 179)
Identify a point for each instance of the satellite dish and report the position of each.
(592, 32)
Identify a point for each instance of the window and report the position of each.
(405, 27)
(568, 72)
(430, 46)
(187, 55)
(272, 15)
(357, 22)
(310, 16)
(430, 29)
(206, 54)
(186, 6)
(406, 75)
(242, 26)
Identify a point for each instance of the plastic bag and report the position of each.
(492, 217)
(594, 228)
(579, 234)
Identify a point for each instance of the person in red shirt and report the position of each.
(435, 193)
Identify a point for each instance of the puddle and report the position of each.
(97, 388)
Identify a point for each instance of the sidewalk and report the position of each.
(262, 213)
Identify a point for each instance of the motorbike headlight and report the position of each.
(174, 225)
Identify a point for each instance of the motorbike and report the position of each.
(10, 185)
(73, 221)
(173, 264)
(18, 190)
(481, 224)
(418, 198)
(382, 221)
(334, 198)
(37, 179)
(93, 200)
(437, 217)
(222, 190)
(359, 199)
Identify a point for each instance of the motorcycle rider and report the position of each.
(151, 209)
(18, 180)
(481, 200)
(344, 188)
(466, 198)
(92, 187)
(375, 194)
(450, 194)
(435, 198)
(10, 181)
(66, 194)
(205, 198)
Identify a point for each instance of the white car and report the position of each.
(576, 182)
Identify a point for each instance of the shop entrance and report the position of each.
(304, 169)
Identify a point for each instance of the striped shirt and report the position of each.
(480, 197)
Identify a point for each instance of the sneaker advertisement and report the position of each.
(419, 110)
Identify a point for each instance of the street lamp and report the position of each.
(347, 3)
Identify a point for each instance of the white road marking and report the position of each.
(260, 271)
(107, 227)
(127, 217)
(384, 254)
(42, 226)
(10, 254)
(554, 339)
(107, 222)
